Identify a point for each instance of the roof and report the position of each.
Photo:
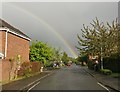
(13, 29)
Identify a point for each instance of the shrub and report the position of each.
(20, 72)
(26, 67)
(77, 63)
(48, 64)
(106, 71)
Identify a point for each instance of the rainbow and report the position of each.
(60, 37)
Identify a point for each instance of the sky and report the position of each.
(57, 23)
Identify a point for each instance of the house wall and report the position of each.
(17, 46)
(0, 51)
(5, 67)
(2, 41)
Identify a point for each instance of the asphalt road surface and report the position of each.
(68, 78)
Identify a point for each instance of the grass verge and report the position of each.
(115, 75)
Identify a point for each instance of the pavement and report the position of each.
(106, 80)
(21, 85)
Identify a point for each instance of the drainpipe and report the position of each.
(6, 41)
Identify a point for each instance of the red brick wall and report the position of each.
(0, 70)
(4, 75)
(2, 43)
(5, 66)
(17, 46)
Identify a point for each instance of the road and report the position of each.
(68, 78)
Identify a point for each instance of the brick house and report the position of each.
(13, 42)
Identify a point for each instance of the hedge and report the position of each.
(36, 66)
(112, 63)
(25, 69)
(29, 68)
(90, 65)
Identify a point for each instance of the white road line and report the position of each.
(33, 86)
(37, 82)
(103, 86)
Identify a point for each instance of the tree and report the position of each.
(65, 58)
(72, 59)
(99, 39)
(40, 51)
(56, 54)
(98, 36)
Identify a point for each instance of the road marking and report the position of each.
(103, 86)
(37, 82)
(33, 86)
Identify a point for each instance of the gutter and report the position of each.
(6, 29)
(19, 35)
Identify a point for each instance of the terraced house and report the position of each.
(13, 43)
